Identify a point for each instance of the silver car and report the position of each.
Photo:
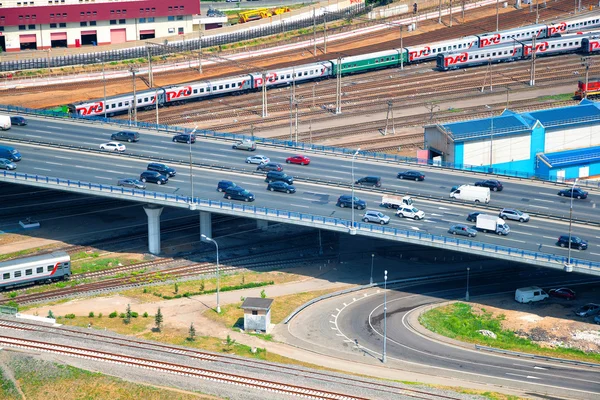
(463, 230)
(511, 213)
(7, 164)
(377, 217)
(257, 160)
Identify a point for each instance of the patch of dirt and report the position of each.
(551, 323)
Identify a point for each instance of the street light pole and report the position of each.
(467, 294)
(352, 230)
(203, 236)
(568, 266)
(191, 170)
(491, 135)
(383, 358)
(372, 259)
(104, 83)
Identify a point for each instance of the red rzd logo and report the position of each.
(95, 108)
(183, 92)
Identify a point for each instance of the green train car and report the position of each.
(359, 64)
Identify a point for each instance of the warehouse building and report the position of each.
(556, 144)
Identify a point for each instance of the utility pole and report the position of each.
(291, 116)
(450, 13)
(325, 32)
(310, 136)
(507, 92)
(390, 112)
(463, 11)
(265, 112)
(401, 50)
(200, 48)
(533, 51)
(296, 128)
(497, 15)
(440, 13)
(338, 88)
(133, 71)
(586, 62)
(314, 32)
(150, 75)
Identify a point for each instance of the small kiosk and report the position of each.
(257, 314)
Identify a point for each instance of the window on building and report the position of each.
(153, 9)
(112, 12)
(62, 25)
(122, 21)
(150, 19)
(141, 10)
(82, 13)
(83, 23)
(147, 10)
(176, 7)
(254, 312)
(92, 23)
(118, 11)
(94, 13)
(64, 15)
(180, 18)
(170, 18)
(170, 8)
(181, 7)
(22, 27)
(142, 20)
(1, 29)
(32, 26)
(113, 22)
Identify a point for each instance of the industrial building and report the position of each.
(557, 144)
(46, 24)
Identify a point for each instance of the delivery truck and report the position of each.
(5, 122)
(477, 194)
(396, 201)
(492, 223)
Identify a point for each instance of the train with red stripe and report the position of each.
(46, 268)
(457, 48)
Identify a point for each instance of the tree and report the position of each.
(176, 287)
(192, 333)
(263, 294)
(158, 320)
(127, 319)
(50, 314)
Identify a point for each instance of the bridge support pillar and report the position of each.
(262, 224)
(153, 212)
(206, 224)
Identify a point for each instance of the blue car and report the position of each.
(346, 201)
(281, 187)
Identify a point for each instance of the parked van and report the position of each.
(530, 294)
(10, 153)
(5, 123)
(477, 194)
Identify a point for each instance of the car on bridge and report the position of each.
(373, 181)
(278, 176)
(18, 120)
(125, 136)
(238, 193)
(576, 242)
(376, 216)
(563, 293)
(463, 230)
(131, 183)
(345, 200)
(472, 217)
(162, 168)
(154, 177)
(185, 138)
(244, 145)
(270, 166)
(258, 159)
(494, 184)
(298, 159)
(414, 175)
(223, 185)
(574, 192)
(281, 187)
(113, 146)
(410, 212)
(7, 164)
(511, 213)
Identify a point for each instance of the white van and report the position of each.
(5, 123)
(530, 294)
(477, 194)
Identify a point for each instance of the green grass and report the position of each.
(8, 390)
(21, 253)
(557, 97)
(83, 255)
(458, 321)
(94, 265)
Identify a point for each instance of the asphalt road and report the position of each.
(540, 234)
(351, 325)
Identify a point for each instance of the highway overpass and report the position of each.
(63, 154)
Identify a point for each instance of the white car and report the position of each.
(257, 160)
(410, 212)
(113, 146)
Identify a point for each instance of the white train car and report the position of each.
(287, 75)
(510, 35)
(591, 45)
(587, 22)
(551, 46)
(44, 268)
(493, 54)
(116, 104)
(431, 50)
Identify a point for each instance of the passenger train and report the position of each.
(45, 268)
(512, 41)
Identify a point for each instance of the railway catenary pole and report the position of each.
(450, 13)
(497, 14)
(338, 87)
(533, 52)
(440, 13)
(568, 266)
(156, 104)
(203, 236)
(265, 111)
(200, 48)
(401, 49)
(296, 127)
(325, 32)
(104, 84)
(314, 32)
(150, 75)
(586, 62)
(134, 105)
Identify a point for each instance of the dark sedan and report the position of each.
(472, 217)
(563, 293)
(574, 192)
(132, 183)
(153, 177)
(414, 175)
(184, 138)
(493, 184)
(270, 166)
(281, 187)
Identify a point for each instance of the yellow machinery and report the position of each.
(254, 15)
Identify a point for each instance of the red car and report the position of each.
(302, 160)
(563, 293)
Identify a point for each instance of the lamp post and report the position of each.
(568, 266)
(467, 294)
(372, 259)
(104, 83)
(203, 236)
(352, 230)
(191, 170)
(491, 135)
(383, 358)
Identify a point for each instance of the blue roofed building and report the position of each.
(556, 144)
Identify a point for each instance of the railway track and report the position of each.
(211, 358)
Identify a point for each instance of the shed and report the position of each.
(257, 314)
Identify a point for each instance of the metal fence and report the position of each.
(177, 47)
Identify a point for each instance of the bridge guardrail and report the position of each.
(300, 146)
(341, 224)
(346, 185)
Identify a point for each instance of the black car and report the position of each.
(224, 185)
(472, 217)
(19, 121)
(414, 175)
(270, 166)
(154, 177)
(576, 242)
(185, 138)
(374, 181)
(573, 192)
(281, 187)
(125, 136)
(276, 176)
(493, 184)
(132, 183)
(162, 168)
(238, 193)
(346, 201)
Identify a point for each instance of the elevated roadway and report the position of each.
(68, 150)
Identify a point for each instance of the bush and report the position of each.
(122, 315)
(91, 314)
(134, 314)
(12, 295)
(113, 314)
(145, 315)
(100, 315)
(70, 316)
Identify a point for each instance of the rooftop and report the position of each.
(506, 124)
(569, 157)
(256, 303)
(585, 112)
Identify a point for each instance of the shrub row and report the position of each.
(223, 289)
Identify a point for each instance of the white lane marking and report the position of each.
(298, 205)
(43, 169)
(151, 152)
(414, 228)
(522, 233)
(34, 136)
(122, 166)
(443, 208)
(209, 159)
(524, 376)
(103, 177)
(64, 158)
(596, 254)
(536, 367)
(512, 240)
(546, 194)
(159, 147)
(549, 237)
(536, 206)
(175, 180)
(53, 163)
(436, 215)
(40, 131)
(545, 201)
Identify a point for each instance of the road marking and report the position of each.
(549, 237)
(596, 254)
(334, 316)
(414, 228)
(524, 376)
(436, 215)
(65, 158)
(522, 233)
(102, 177)
(545, 201)
(546, 194)
(175, 180)
(443, 208)
(34, 136)
(332, 322)
(298, 205)
(536, 367)
(43, 169)
(53, 163)
(535, 205)
(513, 240)
(40, 131)
(152, 152)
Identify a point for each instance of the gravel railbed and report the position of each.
(333, 382)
